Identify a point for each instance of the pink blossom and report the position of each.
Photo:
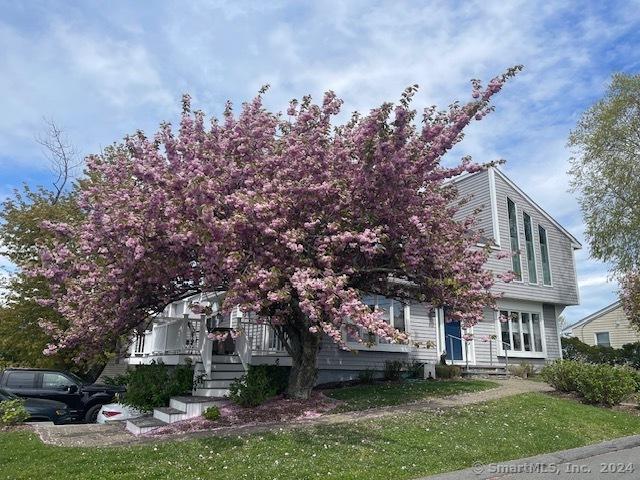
(291, 217)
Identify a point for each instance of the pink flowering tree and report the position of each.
(293, 217)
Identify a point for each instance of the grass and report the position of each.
(361, 397)
(400, 447)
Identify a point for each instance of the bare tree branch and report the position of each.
(61, 153)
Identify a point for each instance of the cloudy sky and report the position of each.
(104, 69)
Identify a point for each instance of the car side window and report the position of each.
(55, 381)
(21, 379)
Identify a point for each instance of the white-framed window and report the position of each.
(516, 265)
(394, 312)
(521, 333)
(603, 339)
(531, 255)
(544, 255)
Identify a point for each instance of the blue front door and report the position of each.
(452, 342)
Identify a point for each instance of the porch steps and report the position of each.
(491, 371)
(180, 408)
(224, 370)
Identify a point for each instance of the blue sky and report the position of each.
(104, 69)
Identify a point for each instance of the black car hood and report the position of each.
(38, 403)
(99, 387)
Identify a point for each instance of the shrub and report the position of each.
(12, 412)
(415, 369)
(211, 413)
(393, 370)
(574, 349)
(605, 384)
(448, 371)
(524, 370)
(151, 386)
(563, 375)
(366, 376)
(259, 384)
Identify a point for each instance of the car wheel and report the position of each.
(92, 414)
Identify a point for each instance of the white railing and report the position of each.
(178, 336)
(260, 338)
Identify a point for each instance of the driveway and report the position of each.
(617, 459)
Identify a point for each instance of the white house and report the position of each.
(544, 261)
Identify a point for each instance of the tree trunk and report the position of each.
(304, 350)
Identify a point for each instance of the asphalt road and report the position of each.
(618, 465)
(617, 459)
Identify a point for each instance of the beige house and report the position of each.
(607, 327)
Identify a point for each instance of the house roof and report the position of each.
(593, 316)
(574, 241)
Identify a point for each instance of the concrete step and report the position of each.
(226, 359)
(169, 414)
(227, 367)
(216, 383)
(212, 392)
(224, 375)
(145, 424)
(194, 405)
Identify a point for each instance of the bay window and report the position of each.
(393, 312)
(521, 333)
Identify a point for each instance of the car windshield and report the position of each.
(76, 378)
(5, 395)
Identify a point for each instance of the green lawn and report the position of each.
(361, 397)
(403, 446)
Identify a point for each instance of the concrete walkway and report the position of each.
(617, 459)
(93, 435)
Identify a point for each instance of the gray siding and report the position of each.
(564, 288)
(551, 331)
(476, 188)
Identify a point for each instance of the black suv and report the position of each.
(84, 400)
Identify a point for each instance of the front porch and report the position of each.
(176, 340)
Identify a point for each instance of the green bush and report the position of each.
(12, 412)
(393, 370)
(563, 375)
(448, 371)
(604, 384)
(524, 370)
(574, 349)
(151, 386)
(259, 384)
(366, 376)
(601, 384)
(415, 369)
(211, 413)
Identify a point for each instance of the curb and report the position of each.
(478, 472)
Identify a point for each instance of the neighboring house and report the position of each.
(608, 327)
(510, 220)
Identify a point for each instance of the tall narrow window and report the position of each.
(531, 256)
(544, 255)
(515, 244)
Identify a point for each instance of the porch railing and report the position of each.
(178, 336)
(261, 338)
